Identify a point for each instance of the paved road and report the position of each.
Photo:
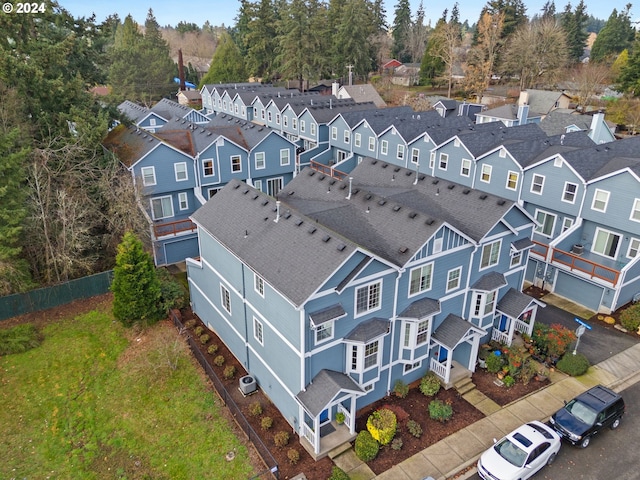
(611, 454)
(597, 344)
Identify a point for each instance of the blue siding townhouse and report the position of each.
(335, 290)
(153, 119)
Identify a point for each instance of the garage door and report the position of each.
(579, 291)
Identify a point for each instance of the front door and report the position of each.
(324, 416)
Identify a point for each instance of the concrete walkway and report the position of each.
(462, 449)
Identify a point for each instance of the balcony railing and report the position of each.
(593, 269)
(327, 170)
(173, 228)
(540, 249)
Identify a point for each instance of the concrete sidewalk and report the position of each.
(462, 449)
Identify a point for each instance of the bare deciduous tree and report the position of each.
(447, 39)
(590, 79)
(481, 58)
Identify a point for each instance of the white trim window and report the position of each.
(546, 223)
(148, 176)
(400, 152)
(294, 122)
(490, 254)
(207, 167)
(484, 304)
(453, 279)
(372, 144)
(485, 175)
(285, 121)
(258, 331)
(635, 211)
(384, 147)
(368, 298)
(415, 155)
(363, 357)
(258, 284)
(162, 207)
(416, 334)
(347, 136)
(235, 108)
(634, 248)
(569, 193)
(512, 180)
(236, 163)
(516, 259)
(502, 153)
(183, 201)
(537, 184)
(420, 279)
(312, 127)
(284, 157)
(567, 223)
(444, 161)
(269, 116)
(278, 119)
(606, 243)
(334, 133)
(371, 351)
(324, 332)
(437, 244)
(260, 162)
(600, 200)
(357, 139)
(465, 167)
(432, 160)
(303, 126)
(180, 170)
(257, 184)
(225, 298)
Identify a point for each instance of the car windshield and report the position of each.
(510, 452)
(582, 412)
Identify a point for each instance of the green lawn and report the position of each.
(95, 401)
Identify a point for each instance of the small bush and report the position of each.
(396, 444)
(382, 425)
(440, 411)
(630, 318)
(528, 371)
(400, 389)
(429, 385)
(229, 372)
(494, 363)
(509, 381)
(281, 438)
(19, 339)
(366, 447)
(199, 330)
(190, 323)
(213, 348)
(204, 338)
(255, 409)
(293, 455)
(574, 365)
(266, 423)
(219, 360)
(338, 474)
(414, 428)
(559, 338)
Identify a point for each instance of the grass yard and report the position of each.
(96, 401)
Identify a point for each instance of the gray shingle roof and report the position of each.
(327, 314)
(515, 303)
(556, 123)
(489, 282)
(323, 388)
(452, 330)
(425, 307)
(481, 142)
(129, 144)
(369, 330)
(133, 111)
(522, 244)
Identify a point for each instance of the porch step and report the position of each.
(339, 450)
(464, 385)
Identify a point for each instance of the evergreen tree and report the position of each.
(354, 31)
(136, 287)
(549, 10)
(616, 35)
(227, 64)
(515, 14)
(432, 66)
(261, 41)
(400, 31)
(574, 25)
(158, 65)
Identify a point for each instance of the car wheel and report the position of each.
(585, 442)
(615, 424)
(551, 459)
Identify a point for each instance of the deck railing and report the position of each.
(500, 337)
(327, 170)
(593, 269)
(540, 249)
(439, 369)
(173, 228)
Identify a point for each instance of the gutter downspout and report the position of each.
(393, 329)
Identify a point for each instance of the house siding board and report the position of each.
(177, 250)
(554, 181)
(500, 168)
(624, 188)
(578, 290)
(631, 286)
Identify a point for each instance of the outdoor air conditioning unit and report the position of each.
(578, 249)
(248, 385)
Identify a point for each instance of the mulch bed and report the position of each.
(485, 383)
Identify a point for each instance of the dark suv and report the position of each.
(587, 414)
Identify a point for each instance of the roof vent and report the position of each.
(245, 191)
(287, 215)
(312, 173)
(430, 221)
(403, 249)
(322, 177)
(408, 173)
(298, 222)
(413, 215)
(397, 169)
(501, 202)
(384, 165)
(466, 191)
(326, 238)
(368, 196)
(332, 182)
(483, 197)
(291, 192)
(255, 196)
(396, 208)
(435, 182)
(373, 162)
(341, 247)
(451, 187)
(265, 203)
(236, 186)
(382, 202)
(312, 230)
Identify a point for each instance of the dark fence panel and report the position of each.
(43, 298)
(241, 420)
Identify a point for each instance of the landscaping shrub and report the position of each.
(396, 444)
(539, 337)
(558, 340)
(515, 359)
(204, 338)
(173, 293)
(509, 381)
(401, 389)
(338, 474)
(266, 423)
(414, 428)
(219, 360)
(281, 438)
(574, 365)
(190, 323)
(528, 371)
(293, 455)
(213, 348)
(430, 385)
(366, 447)
(630, 318)
(199, 330)
(382, 425)
(19, 339)
(229, 372)
(494, 363)
(255, 409)
(440, 411)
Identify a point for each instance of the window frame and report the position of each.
(595, 199)
(324, 327)
(183, 199)
(161, 198)
(357, 139)
(467, 162)
(225, 298)
(372, 143)
(257, 165)
(384, 147)
(450, 288)
(185, 171)
(535, 185)
(205, 167)
(540, 229)
(334, 133)
(443, 161)
(424, 282)
(609, 233)
(633, 241)
(565, 192)
(144, 176)
(512, 181)
(233, 164)
(400, 152)
(258, 284)
(285, 157)
(415, 155)
(258, 331)
(376, 287)
(635, 211)
(347, 137)
(485, 173)
(491, 261)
